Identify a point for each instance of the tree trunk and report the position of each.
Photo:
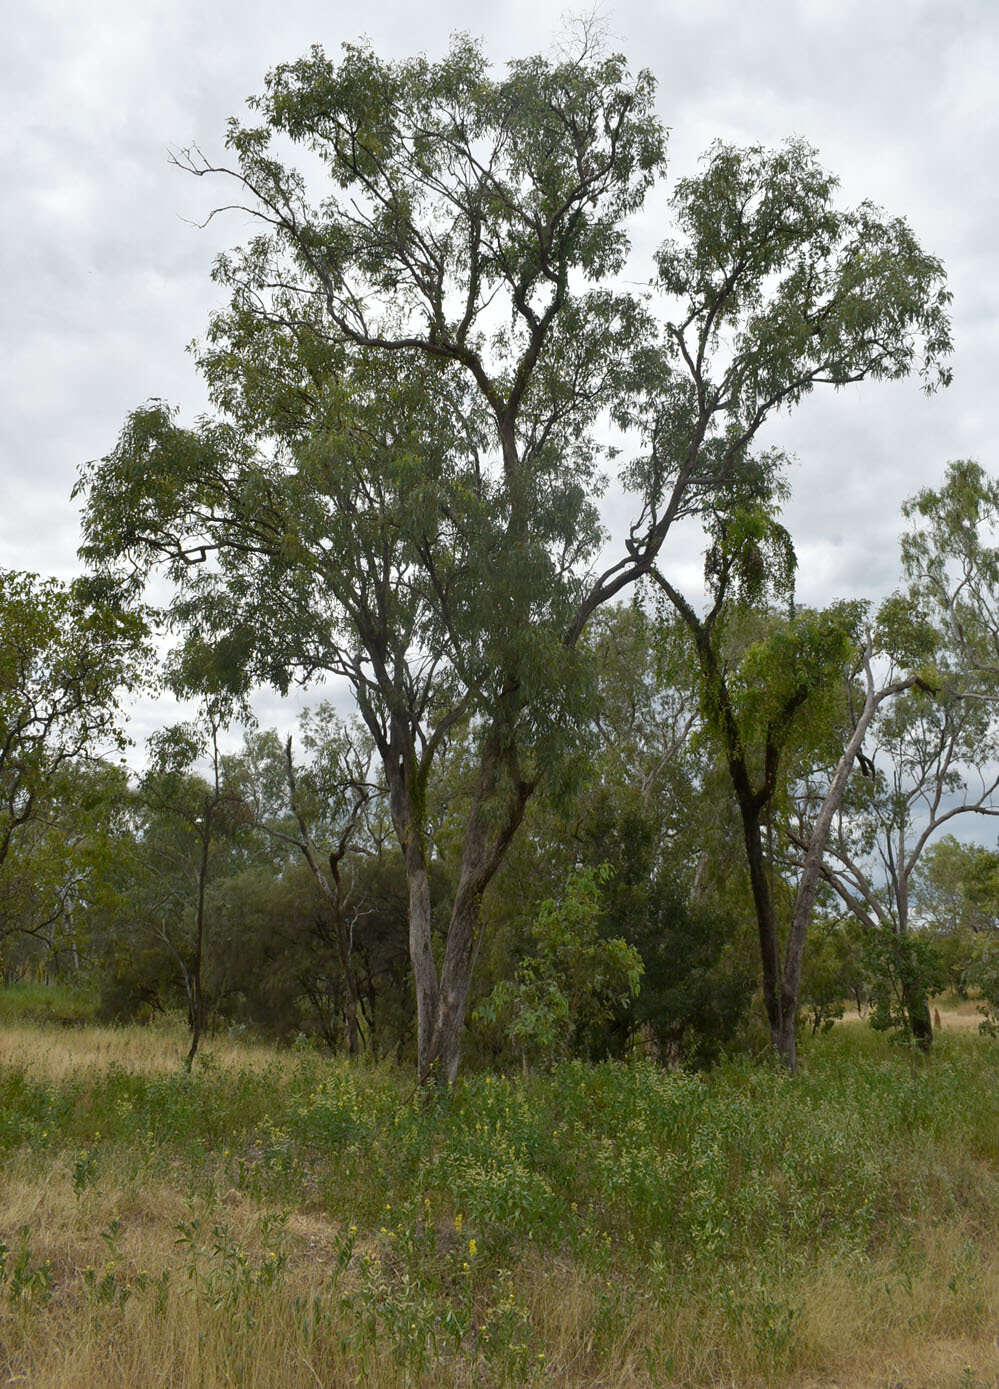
(485, 844)
(918, 1009)
(406, 820)
(785, 1044)
(766, 922)
(421, 953)
(455, 988)
(197, 997)
(917, 1005)
(197, 1018)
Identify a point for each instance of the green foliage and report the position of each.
(959, 886)
(854, 292)
(787, 686)
(66, 653)
(906, 635)
(952, 564)
(982, 975)
(38, 1003)
(905, 969)
(834, 972)
(274, 966)
(573, 979)
(23, 1282)
(699, 981)
(750, 556)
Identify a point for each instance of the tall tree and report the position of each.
(933, 754)
(413, 375)
(774, 691)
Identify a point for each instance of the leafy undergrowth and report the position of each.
(307, 1222)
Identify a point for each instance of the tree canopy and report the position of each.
(416, 377)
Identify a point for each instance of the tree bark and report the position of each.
(455, 988)
(487, 837)
(197, 997)
(763, 904)
(421, 954)
(914, 999)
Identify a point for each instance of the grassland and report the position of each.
(280, 1219)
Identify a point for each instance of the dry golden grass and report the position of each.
(54, 1053)
(954, 1017)
(854, 1327)
(965, 1013)
(925, 1318)
(189, 1342)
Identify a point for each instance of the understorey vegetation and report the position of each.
(281, 1217)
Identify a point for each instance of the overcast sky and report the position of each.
(106, 281)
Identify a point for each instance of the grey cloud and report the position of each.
(105, 282)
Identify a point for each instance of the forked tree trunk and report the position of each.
(455, 989)
(782, 985)
(443, 1007)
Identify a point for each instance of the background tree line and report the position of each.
(264, 888)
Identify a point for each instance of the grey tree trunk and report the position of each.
(197, 997)
(811, 872)
(500, 800)
(421, 953)
(455, 989)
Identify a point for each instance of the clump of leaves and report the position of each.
(906, 968)
(572, 978)
(982, 973)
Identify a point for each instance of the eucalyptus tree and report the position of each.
(933, 757)
(413, 377)
(777, 692)
(66, 652)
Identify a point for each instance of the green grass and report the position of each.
(692, 1218)
(40, 1003)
